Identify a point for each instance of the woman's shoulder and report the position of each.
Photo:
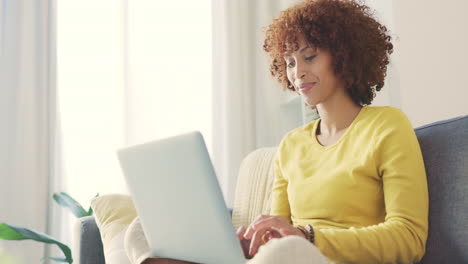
(384, 119)
(304, 130)
(298, 134)
(386, 115)
(384, 111)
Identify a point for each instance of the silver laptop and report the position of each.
(179, 201)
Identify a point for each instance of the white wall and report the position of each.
(426, 75)
(432, 58)
(390, 94)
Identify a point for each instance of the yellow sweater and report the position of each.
(366, 195)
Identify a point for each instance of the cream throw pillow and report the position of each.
(113, 214)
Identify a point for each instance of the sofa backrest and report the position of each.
(253, 190)
(444, 146)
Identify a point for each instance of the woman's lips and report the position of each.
(306, 86)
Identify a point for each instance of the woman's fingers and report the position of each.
(251, 229)
(264, 221)
(257, 220)
(271, 235)
(245, 243)
(261, 236)
(240, 232)
(255, 243)
(265, 229)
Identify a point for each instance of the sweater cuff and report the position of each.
(319, 241)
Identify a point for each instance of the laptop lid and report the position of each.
(179, 201)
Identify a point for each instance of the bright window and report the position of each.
(128, 72)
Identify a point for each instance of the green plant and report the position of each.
(11, 232)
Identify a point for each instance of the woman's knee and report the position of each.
(290, 249)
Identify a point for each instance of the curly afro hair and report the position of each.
(360, 46)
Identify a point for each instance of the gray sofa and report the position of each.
(444, 146)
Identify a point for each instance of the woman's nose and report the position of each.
(300, 71)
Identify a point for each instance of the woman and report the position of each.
(353, 182)
(356, 176)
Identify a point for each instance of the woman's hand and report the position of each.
(266, 227)
(245, 243)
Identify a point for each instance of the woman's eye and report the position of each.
(290, 64)
(310, 58)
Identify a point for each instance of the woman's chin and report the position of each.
(310, 103)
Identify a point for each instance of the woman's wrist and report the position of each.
(308, 232)
(304, 232)
(310, 229)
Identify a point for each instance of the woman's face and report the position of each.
(310, 70)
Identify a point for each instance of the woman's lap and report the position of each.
(291, 249)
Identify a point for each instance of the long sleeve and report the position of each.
(401, 238)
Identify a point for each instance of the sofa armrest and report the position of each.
(87, 244)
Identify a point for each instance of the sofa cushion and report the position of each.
(444, 147)
(113, 214)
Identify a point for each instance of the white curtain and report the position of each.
(246, 99)
(27, 107)
(124, 77)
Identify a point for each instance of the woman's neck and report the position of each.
(337, 115)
